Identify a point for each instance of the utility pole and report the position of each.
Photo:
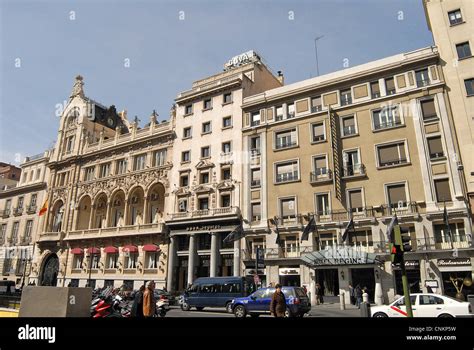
(316, 52)
(406, 290)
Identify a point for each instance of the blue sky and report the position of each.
(167, 54)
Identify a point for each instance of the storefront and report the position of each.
(289, 276)
(456, 276)
(412, 268)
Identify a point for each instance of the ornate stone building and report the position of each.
(107, 187)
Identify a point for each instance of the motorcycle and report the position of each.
(162, 306)
(108, 304)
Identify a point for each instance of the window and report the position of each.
(15, 227)
(375, 89)
(104, 170)
(318, 133)
(226, 122)
(203, 203)
(25, 177)
(393, 154)
(285, 139)
(89, 175)
(349, 126)
(112, 259)
(187, 133)
(428, 109)
(443, 193)
(316, 105)
(320, 166)
(255, 118)
(464, 50)
(422, 78)
(186, 156)
(355, 200)
(346, 97)
(287, 171)
(435, 147)
(183, 205)
(207, 104)
(159, 157)
(226, 174)
(225, 200)
(322, 204)
(131, 260)
(458, 234)
(255, 145)
(455, 17)
(8, 204)
(226, 147)
(3, 233)
(386, 118)
(188, 109)
(288, 208)
(469, 83)
(352, 164)
(279, 113)
(206, 127)
(28, 230)
(20, 202)
(77, 261)
(204, 178)
(184, 180)
(227, 97)
(255, 178)
(139, 162)
(397, 197)
(430, 300)
(390, 86)
(256, 211)
(152, 260)
(33, 199)
(38, 173)
(205, 152)
(291, 110)
(69, 144)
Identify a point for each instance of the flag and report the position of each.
(349, 228)
(273, 226)
(390, 227)
(235, 235)
(446, 224)
(44, 208)
(311, 227)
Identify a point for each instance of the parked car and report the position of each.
(258, 303)
(216, 292)
(425, 305)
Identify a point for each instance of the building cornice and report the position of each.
(23, 189)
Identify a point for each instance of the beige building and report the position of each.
(206, 178)
(367, 143)
(9, 176)
(107, 187)
(19, 219)
(452, 25)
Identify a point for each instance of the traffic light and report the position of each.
(405, 239)
(396, 249)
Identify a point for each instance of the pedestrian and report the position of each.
(149, 301)
(320, 294)
(278, 303)
(137, 306)
(358, 295)
(317, 289)
(352, 294)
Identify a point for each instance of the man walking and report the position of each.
(149, 301)
(278, 303)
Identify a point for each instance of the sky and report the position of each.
(138, 55)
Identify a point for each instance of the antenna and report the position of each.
(316, 52)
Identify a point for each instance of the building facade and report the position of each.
(19, 219)
(206, 177)
(9, 176)
(366, 143)
(107, 187)
(451, 23)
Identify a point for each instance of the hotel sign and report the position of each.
(243, 58)
(338, 256)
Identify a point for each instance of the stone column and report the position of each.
(92, 215)
(237, 258)
(171, 263)
(145, 212)
(126, 213)
(214, 254)
(191, 257)
(108, 213)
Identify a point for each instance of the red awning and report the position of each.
(130, 249)
(93, 251)
(110, 250)
(150, 248)
(77, 251)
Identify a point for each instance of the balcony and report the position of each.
(436, 155)
(392, 162)
(255, 123)
(388, 124)
(400, 209)
(355, 170)
(287, 177)
(206, 213)
(285, 144)
(18, 211)
(288, 252)
(336, 216)
(5, 213)
(320, 175)
(135, 230)
(442, 243)
(31, 209)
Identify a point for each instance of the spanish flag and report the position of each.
(44, 208)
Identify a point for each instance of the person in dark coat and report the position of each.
(358, 294)
(352, 294)
(137, 306)
(278, 303)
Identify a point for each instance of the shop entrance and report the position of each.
(328, 279)
(458, 284)
(290, 280)
(413, 277)
(365, 279)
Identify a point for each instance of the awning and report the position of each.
(77, 251)
(150, 248)
(130, 249)
(93, 251)
(111, 250)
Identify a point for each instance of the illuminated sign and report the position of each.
(243, 58)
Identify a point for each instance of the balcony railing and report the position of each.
(344, 215)
(255, 183)
(285, 144)
(321, 175)
(391, 162)
(5, 213)
(31, 209)
(315, 109)
(255, 123)
(388, 124)
(436, 155)
(400, 209)
(285, 177)
(422, 82)
(354, 170)
(114, 231)
(206, 212)
(18, 211)
(279, 253)
(349, 130)
(442, 243)
(255, 152)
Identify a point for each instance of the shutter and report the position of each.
(348, 122)
(355, 198)
(428, 108)
(390, 84)
(320, 162)
(396, 193)
(435, 146)
(388, 154)
(375, 88)
(443, 192)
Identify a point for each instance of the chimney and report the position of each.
(281, 78)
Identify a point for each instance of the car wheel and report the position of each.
(199, 308)
(380, 315)
(228, 307)
(185, 306)
(239, 311)
(446, 316)
(288, 313)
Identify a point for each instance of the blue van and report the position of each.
(216, 292)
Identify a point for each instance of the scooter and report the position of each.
(162, 306)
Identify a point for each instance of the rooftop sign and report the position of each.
(243, 58)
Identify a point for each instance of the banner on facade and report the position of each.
(339, 256)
